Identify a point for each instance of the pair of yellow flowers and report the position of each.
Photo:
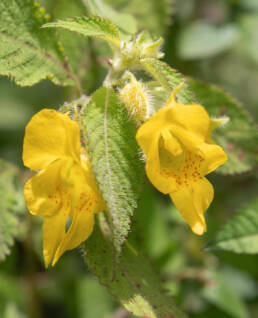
(179, 153)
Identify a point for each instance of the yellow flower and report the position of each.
(64, 189)
(179, 153)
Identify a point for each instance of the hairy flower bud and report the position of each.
(136, 99)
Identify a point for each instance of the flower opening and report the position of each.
(179, 153)
(64, 188)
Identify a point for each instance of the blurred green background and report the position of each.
(212, 40)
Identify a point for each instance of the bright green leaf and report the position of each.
(201, 40)
(89, 26)
(239, 137)
(11, 203)
(28, 53)
(132, 279)
(125, 22)
(115, 157)
(240, 233)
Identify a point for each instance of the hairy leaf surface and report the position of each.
(28, 53)
(89, 26)
(239, 137)
(11, 203)
(132, 280)
(240, 233)
(115, 157)
(168, 78)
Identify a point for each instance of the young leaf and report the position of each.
(11, 202)
(132, 280)
(115, 157)
(89, 26)
(240, 234)
(29, 54)
(239, 137)
(125, 22)
(168, 78)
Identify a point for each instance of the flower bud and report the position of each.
(136, 99)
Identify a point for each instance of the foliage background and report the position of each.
(229, 60)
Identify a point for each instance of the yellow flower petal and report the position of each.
(53, 234)
(192, 201)
(84, 203)
(153, 170)
(192, 118)
(171, 143)
(80, 229)
(214, 156)
(49, 136)
(42, 193)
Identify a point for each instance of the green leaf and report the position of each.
(132, 280)
(115, 157)
(202, 40)
(125, 22)
(29, 54)
(239, 137)
(221, 294)
(168, 78)
(11, 203)
(89, 26)
(240, 233)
